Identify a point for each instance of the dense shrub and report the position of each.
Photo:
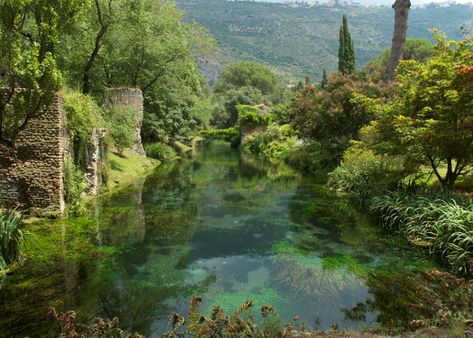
(253, 115)
(328, 115)
(83, 114)
(229, 134)
(276, 142)
(11, 238)
(74, 187)
(122, 126)
(364, 174)
(307, 157)
(161, 152)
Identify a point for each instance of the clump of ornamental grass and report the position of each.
(443, 226)
(11, 238)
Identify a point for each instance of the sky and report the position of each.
(382, 2)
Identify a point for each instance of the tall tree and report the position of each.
(29, 35)
(401, 12)
(324, 81)
(346, 51)
(104, 13)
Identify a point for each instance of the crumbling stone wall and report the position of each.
(130, 98)
(32, 175)
(95, 161)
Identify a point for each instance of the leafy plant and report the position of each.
(229, 134)
(442, 226)
(11, 238)
(74, 186)
(276, 142)
(122, 126)
(161, 152)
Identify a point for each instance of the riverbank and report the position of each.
(124, 168)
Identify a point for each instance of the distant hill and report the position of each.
(299, 40)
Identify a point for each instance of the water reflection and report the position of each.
(226, 227)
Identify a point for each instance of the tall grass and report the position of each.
(442, 223)
(11, 238)
(443, 226)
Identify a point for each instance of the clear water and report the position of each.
(226, 227)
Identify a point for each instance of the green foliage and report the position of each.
(225, 114)
(346, 50)
(329, 117)
(161, 152)
(364, 174)
(11, 238)
(415, 49)
(430, 117)
(74, 187)
(252, 115)
(307, 157)
(248, 74)
(83, 115)
(244, 84)
(324, 81)
(303, 40)
(157, 53)
(122, 126)
(276, 142)
(444, 226)
(29, 34)
(229, 134)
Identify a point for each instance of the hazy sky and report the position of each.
(381, 2)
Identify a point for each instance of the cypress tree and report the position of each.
(324, 81)
(346, 51)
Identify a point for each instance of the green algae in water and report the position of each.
(224, 227)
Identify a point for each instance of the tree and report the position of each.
(245, 83)
(249, 74)
(157, 53)
(415, 49)
(431, 117)
(401, 8)
(329, 117)
(29, 34)
(104, 12)
(346, 51)
(324, 81)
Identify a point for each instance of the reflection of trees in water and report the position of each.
(399, 299)
(331, 226)
(321, 290)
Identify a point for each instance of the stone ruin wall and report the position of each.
(32, 175)
(130, 98)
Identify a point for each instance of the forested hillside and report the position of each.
(301, 40)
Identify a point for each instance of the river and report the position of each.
(226, 227)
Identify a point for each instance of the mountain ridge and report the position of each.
(303, 40)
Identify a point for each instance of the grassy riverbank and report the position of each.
(124, 168)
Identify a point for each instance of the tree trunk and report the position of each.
(401, 9)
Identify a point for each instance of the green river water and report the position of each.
(226, 227)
